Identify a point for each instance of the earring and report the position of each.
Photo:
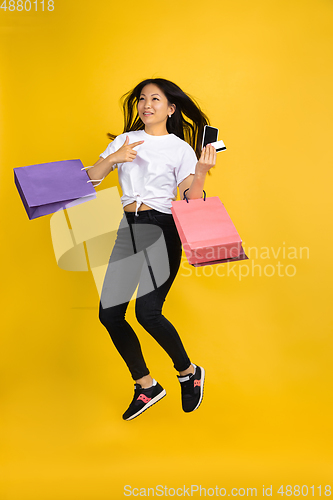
(169, 116)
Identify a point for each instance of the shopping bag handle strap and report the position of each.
(204, 192)
(94, 180)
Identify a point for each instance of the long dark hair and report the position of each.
(187, 122)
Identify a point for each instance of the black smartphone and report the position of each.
(210, 135)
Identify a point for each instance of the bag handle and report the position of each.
(94, 180)
(204, 192)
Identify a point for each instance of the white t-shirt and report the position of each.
(161, 164)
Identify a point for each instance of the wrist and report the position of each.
(111, 159)
(200, 172)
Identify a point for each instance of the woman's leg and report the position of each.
(128, 266)
(124, 270)
(120, 282)
(149, 305)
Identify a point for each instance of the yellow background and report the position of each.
(262, 71)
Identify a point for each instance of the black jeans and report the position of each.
(147, 254)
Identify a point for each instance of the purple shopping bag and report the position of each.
(48, 187)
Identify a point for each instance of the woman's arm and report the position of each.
(101, 169)
(103, 166)
(195, 182)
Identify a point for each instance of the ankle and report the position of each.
(188, 371)
(145, 382)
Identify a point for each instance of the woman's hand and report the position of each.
(207, 159)
(126, 152)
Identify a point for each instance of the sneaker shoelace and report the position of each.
(188, 387)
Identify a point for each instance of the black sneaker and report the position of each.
(192, 388)
(143, 399)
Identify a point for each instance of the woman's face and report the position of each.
(153, 107)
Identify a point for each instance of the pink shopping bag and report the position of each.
(207, 233)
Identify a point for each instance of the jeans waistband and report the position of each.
(143, 214)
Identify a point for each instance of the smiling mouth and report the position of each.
(147, 114)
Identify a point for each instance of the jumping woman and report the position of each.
(158, 151)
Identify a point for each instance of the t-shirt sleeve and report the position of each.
(112, 147)
(187, 164)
